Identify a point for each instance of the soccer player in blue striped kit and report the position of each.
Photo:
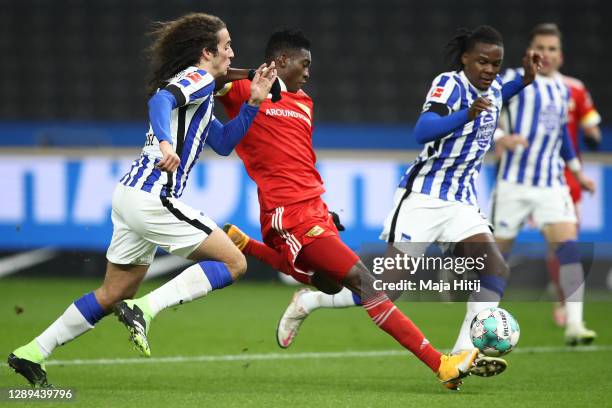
(187, 55)
(531, 179)
(436, 198)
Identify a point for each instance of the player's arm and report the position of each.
(592, 137)
(222, 138)
(531, 66)
(573, 163)
(236, 74)
(233, 74)
(160, 108)
(589, 119)
(437, 121)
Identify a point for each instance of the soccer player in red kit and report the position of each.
(582, 115)
(299, 235)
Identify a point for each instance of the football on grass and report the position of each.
(494, 332)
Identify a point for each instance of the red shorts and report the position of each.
(574, 186)
(291, 228)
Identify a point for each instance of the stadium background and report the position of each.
(72, 116)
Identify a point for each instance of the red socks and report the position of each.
(389, 318)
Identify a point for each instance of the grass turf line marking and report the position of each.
(299, 356)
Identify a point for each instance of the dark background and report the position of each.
(373, 61)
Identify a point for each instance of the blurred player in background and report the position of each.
(299, 234)
(188, 54)
(582, 118)
(535, 143)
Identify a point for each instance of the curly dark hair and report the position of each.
(290, 39)
(178, 44)
(465, 40)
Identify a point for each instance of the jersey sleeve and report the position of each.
(442, 96)
(191, 87)
(233, 95)
(586, 113)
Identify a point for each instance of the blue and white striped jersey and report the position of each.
(538, 113)
(193, 90)
(448, 167)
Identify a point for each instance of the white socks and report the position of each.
(67, 327)
(314, 300)
(571, 280)
(487, 299)
(189, 285)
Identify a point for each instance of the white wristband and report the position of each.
(574, 165)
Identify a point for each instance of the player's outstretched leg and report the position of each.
(304, 302)
(81, 316)
(193, 283)
(257, 249)
(450, 369)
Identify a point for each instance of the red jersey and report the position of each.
(277, 149)
(581, 110)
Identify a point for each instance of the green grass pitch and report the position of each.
(230, 356)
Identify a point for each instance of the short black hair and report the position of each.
(545, 29)
(287, 39)
(465, 40)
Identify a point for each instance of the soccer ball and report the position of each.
(494, 332)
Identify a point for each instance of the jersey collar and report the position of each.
(478, 91)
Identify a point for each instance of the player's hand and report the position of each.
(480, 105)
(532, 63)
(510, 142)
(586, 183)
(275, 91)
(170, 160)
(262, 83)
(336, 220)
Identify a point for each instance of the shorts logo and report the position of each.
(405, 238)
(436, 93)
(315, 231)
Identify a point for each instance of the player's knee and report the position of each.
(108, 295)
(237, 266)
(360, 279)
(325, 284)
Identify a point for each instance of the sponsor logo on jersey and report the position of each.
(315, 231)
(195, 77)
(287, 113)
(436, 93)
(485, 131)
(550, 118)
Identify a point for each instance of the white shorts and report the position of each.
(143, 221)
(426, 219)
(514, 203)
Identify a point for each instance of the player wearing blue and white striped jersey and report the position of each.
(188, 54)
(535, 147)
(436, 198)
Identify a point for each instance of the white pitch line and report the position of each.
(15, 263)
(300, 356)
